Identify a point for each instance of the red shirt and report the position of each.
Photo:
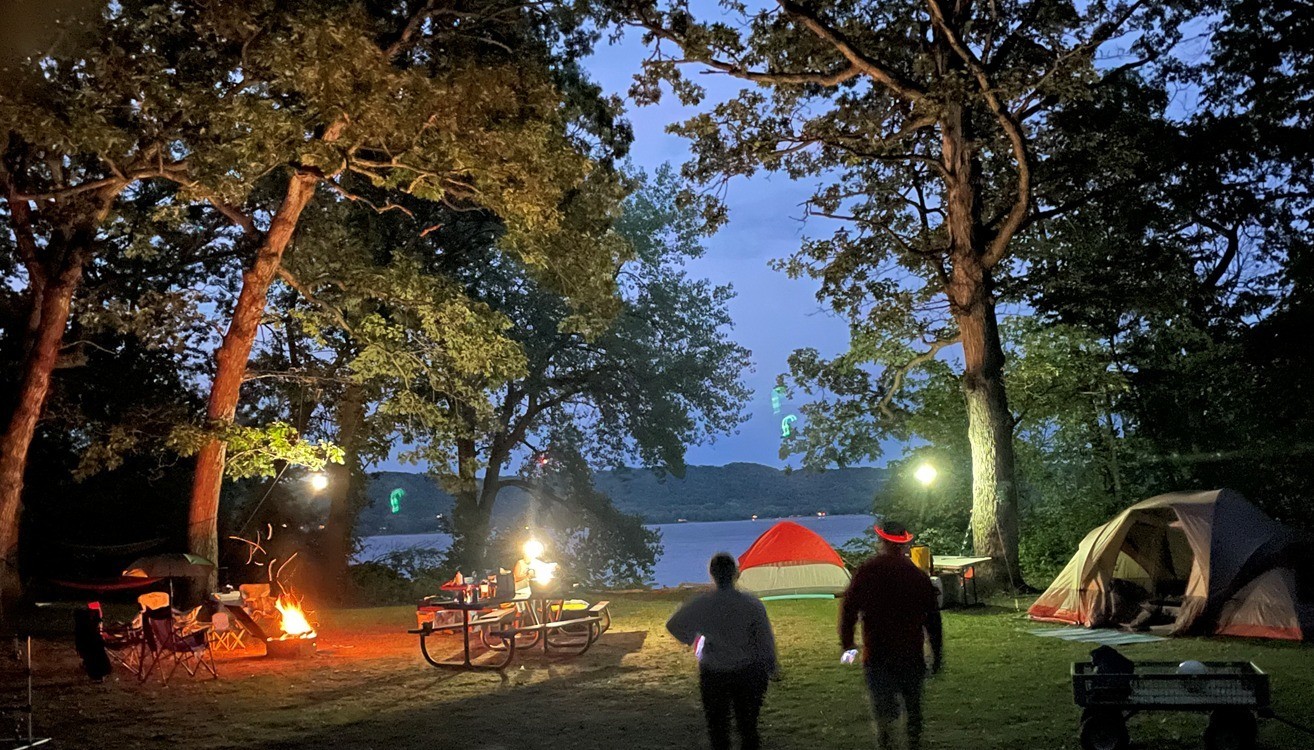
(895, 599)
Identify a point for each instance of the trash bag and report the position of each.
(1115, 670)
(87, 640)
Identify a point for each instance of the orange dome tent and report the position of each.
(791, 561)
(1199, 562)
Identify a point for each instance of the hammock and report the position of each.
(122, 583)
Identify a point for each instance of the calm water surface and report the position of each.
(687, 545)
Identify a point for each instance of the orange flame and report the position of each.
(293, 620)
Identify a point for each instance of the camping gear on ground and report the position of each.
(957, 574)
(791, 561)
(1189, 562)
(86, 639)
(1111, 689)
(168, 647)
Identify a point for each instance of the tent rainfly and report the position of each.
(792, 561)
(1189, 563)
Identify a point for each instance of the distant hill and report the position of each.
(706, 493)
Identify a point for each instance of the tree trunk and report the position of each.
(48, 333)
(971, 301)
(230, 371)
(990, 434)
(345, 491)
(472, 522)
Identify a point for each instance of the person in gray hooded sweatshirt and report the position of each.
(737, 655)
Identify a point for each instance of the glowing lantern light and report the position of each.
(318, 481)
(925, 474)
(542, 570)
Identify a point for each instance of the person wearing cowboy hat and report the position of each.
(897, 605)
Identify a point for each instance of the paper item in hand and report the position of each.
(698, 647)
(849, 657)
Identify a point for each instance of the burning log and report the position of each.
(297, 639)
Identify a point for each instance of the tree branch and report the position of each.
(873, 68)
(998, 245)
(901, 372)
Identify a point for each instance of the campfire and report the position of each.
(297, 638)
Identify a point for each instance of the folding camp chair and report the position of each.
(259, 604)
(166, 642)
(225, 634)
(125, 645)
(154, 600)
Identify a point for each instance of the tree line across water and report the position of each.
(246, 240)
(733, 492)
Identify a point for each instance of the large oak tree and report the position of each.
(919, 120)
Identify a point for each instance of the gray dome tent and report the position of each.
(1207, 562)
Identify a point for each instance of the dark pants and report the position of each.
(888, 687)
(740, 690)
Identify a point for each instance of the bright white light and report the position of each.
(318, 481)
(533, 549)
(925, 474)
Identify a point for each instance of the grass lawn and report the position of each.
(368, 689)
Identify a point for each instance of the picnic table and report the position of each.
(961, 569)
(502, 624)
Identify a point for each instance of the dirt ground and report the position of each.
(367, 687)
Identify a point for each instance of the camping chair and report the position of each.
(166, 642)
(225, 634)
(189, 621)
(125, 645)
(154, 600)
(258, 603)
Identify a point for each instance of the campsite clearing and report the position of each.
(1003, 689)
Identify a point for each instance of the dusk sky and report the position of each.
(773, 314)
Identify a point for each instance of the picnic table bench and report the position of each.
(482, 619)
(579, 632)
(502, 629)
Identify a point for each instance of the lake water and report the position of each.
(688, 546)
